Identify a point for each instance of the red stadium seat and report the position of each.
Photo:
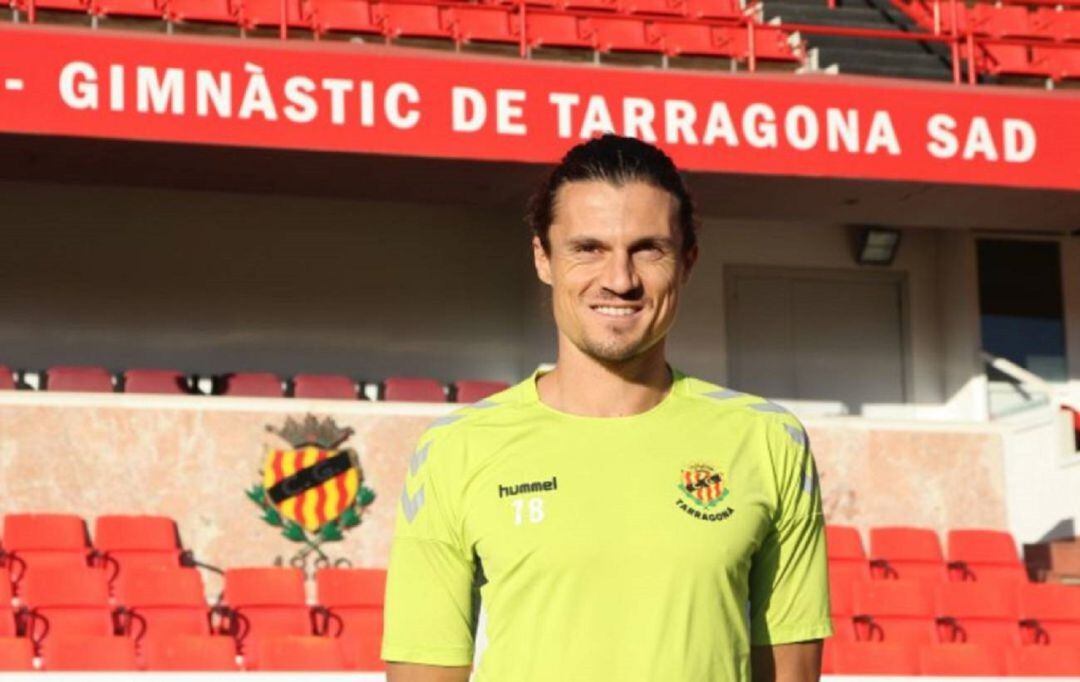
(1000, 22)
(33, 541)
(486, 24)
(54, 5)
(411, 389)
(1044, 661)
(16, 654)
(550, 29)
(209, 11)
(62, 601)
(907, 554)
(984, 555)
(190, 653)
(624, 34)
(324, 386)
(265, 602)
(696, 40)
(252, 385)
(7, 616)
(1060, 63)
(353, 603)
(898, 611)
(1052, 613)
(256, 13)
(956, 660)
(79, 379)
(165, 381)
(1060, 24)
(151, 9)
(714, 9)
(138, 541)
(874, 658)
(7, 379)
(590, 5)
(843, 544)
(842, 581)
(300, 653)
(471, 391)
(1013, 60)
(980, 613)
(673, 8)
(163, 602)
(344, 16)
(87, 653)
(412, 20)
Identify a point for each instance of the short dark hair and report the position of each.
(618, 160)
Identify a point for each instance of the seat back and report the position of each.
(985, 556)
(114, 532)
(843, 544)
(194, 653)
(907, 553)
(266, 602)
(471, 391)
(351, 587)
(7, 615)
(961, 660)
(16, 654)
(874, 658)
(47, 532)
(413, 389)
(79, 379)
(1044, 661)
(252, 385)
(983, 613)
(324, 386)
(1055, 610)
(163, 602)
(87, 653)
(300, 653)
(164, 381)
(895, 611)
(67, 601)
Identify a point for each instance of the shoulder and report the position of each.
(745, 409)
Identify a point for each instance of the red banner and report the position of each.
(349, 98)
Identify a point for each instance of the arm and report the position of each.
(411, 672)
(797, 662)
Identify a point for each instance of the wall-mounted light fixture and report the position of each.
(876, 245)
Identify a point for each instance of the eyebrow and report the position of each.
(666, 242)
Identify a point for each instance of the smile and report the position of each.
(616, 311)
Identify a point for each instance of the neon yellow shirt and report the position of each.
(657, 546)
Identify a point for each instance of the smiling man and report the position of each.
(612, 518)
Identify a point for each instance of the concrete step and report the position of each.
(920, 73)
(897, 46)
(846, 58)
(869, 17)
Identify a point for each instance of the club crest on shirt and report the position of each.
(703, 488)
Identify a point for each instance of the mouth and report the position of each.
(617, 311)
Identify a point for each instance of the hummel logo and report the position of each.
(411, 505)
(533, 487)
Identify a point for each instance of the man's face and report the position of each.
(616, 267)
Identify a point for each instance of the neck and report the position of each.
(588, 387)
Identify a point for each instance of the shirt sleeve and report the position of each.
(789, 586)
(428, 614)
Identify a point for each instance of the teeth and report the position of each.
(611, 310)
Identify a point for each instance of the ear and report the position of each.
(542, 261)
(689, 259)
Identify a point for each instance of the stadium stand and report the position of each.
(33, 541)
(874, 658)
(351, 603)
(190, 653)
(471, 391)
(907, 554)
(345, 17)
(160, 603)
(899, 611)
(79, 379)
(294, 653)
(163, 381)
(984, 555)
(137, 541)
(88, 653)
(413, 389)
(265, 602)
(16, 654)
(251, 385)
(324, 386)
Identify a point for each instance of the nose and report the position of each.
(620, 277)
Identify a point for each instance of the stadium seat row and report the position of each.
(1003, 21)
(948, 660)
(915, 554)
(705, 28)
(249, 384)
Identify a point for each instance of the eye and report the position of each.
(586, 248)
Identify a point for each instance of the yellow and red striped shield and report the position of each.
(310, 485)
(703, 483)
